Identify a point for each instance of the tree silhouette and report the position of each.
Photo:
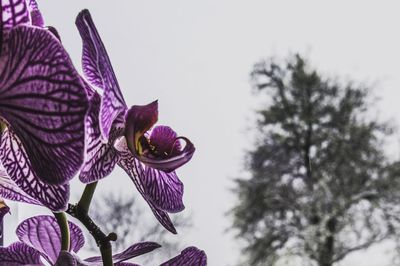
(127, 218)
(320, 184)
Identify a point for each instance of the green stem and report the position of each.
(87, 196)
(106, 255)
(64, 228)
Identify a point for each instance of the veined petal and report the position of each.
(165, 190)
(69, 259)
(189, 256)
(43, 234)
(9, 190)
(19, 168)
(65, 259)
(44, 102)
(132, 168)
(161, 151)
(36, 15)
(101, 158)
(131, 252)
(13, 13)
(98, 70)
(19, 254)
(99, 163)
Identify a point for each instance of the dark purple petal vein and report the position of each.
(98, 70)
(190, 256)
(131, 252)
(43, 234)
(134, 169)
(44, 102)
(19, 168)
(18, 254)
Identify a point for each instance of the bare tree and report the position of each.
(129, 219)
(321, 185)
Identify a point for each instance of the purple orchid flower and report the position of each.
(43, 106)
(42, 100)
(121, 135)
(40, 238)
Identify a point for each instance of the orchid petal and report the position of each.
(100, 164)
(13, 13)
(98, 70)
(189, 256)
(139, 119)
(126, 264)
(70, 259)
(133, 168)
(43, 101)
(131, 252)
(101, 158)
(36, 15)
(65, 259)
(9, 190)
(19, 254)
(93, 133)
(43, 234)
(19, 168)
(165, 190)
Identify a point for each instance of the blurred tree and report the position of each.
(320, 184)
(127, 218)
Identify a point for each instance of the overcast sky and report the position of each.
(195, 58)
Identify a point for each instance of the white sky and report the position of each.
(195, 57)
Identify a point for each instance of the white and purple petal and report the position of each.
(9, 190)
(44, 102)
(133, 168)
(190, 256)
(13, 13)
(36, 15)
(98, 70)
(101, 158)
(31, 189)
(165, 190)
(19, 254)
(43, 234)
(99, 163)
(131, 252)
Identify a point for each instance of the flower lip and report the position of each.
(161, 149)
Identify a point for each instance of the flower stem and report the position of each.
(87, 196)
(102, 240)
(64, 228)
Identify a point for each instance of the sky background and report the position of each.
(195, 58)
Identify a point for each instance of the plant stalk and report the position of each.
(64, 229)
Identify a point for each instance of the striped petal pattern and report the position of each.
(131, 252)
(31, 189)
(19, 254)
(13, 13)
(43, 234)
(44, 102)
(190, 256)
(36, 15)
(9, 190)
(98, 70)
(165, 190)
(134, 169)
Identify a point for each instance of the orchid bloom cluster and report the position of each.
(56, 124)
